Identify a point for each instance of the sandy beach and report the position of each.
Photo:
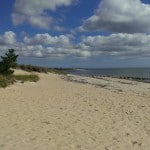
(75, 113)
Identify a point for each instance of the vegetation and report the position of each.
(31, 68)
(7, 62)
(23, 78)
(56, 71)
(6, 80)
(6, 73)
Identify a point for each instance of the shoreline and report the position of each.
(138, 79)
(125, 73)
(113, 83)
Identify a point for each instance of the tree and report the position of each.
(7, 62)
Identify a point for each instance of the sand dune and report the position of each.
(55, 114)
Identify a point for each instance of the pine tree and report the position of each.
(8, 61)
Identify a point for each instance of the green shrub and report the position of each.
(3, 81)
(6, 80)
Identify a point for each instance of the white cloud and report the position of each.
(124, 16)
(124, 45)
(41, 45)
(43, 22)
(46, 39)
(8, 38)
(44, 45)
(35, 11)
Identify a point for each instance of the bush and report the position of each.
(6, 80)
(3, 81)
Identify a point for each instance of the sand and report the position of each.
(56, 114)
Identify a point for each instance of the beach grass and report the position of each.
(24, 78)
(3, 81)
(6, 80)
(32, 68)
(10, 79)
(56, 71)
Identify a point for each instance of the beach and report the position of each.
(75, 113)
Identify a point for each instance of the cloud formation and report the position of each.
(47, 46)
(55, 46)
(8, 38)
(119, 16)
(35, 12)
(47, 39)
(124, 45)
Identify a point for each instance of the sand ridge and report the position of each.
(55, 114)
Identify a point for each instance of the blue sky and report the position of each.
(77, 33)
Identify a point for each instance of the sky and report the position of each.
(77, 33)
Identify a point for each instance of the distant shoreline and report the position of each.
(140, 74)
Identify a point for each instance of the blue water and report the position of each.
(114, 72)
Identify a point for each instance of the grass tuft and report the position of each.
(3, 81)
(24, 78)
(31, 68)
(8, 80)
(56, 71)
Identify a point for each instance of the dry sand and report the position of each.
(55, 114)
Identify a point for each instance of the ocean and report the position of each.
(141, 73)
